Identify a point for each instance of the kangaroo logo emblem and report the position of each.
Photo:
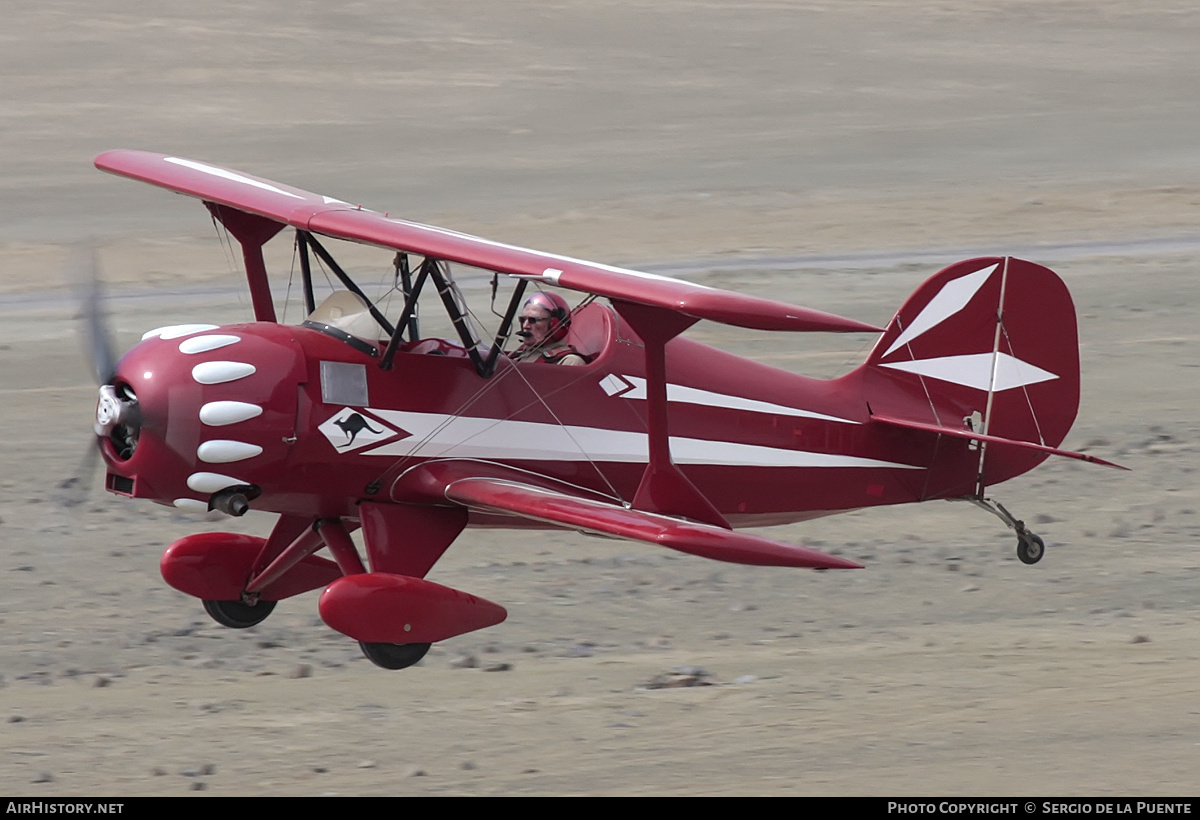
(352, 425)
(350, 431)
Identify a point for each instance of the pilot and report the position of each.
(544, 319)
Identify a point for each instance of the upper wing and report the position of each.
(506, 496)
(332, 217)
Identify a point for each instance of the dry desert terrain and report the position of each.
(828, 154)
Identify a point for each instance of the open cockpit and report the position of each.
(348, 314)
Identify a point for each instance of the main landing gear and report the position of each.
(240, 615)
(392, 611)
(1030, 547)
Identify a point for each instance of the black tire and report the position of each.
(237, 615)
(1030, 549)
(394, 655)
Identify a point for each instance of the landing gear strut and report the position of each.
(1030, 547)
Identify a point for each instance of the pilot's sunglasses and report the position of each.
(533, 319)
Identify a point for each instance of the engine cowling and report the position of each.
(198, 416)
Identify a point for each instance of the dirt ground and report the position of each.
(828, 154)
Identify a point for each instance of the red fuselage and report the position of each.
(315, 426)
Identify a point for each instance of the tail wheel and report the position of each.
(1030, 548)
(237, 615)
(394, 655)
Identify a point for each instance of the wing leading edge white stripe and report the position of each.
(232, 176)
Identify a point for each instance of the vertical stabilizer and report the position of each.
(988, 345)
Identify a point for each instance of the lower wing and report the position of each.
(508, 497)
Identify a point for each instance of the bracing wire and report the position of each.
(226, 241)
(490, 384)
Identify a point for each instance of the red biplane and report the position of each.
(352, 420)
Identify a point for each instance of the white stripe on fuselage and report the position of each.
(434, 435)
(706, 398)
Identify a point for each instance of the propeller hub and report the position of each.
(114, 409)
(108, 410)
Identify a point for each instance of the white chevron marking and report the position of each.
(952, 298)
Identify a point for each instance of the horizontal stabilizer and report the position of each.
(966, 433)
(598, 517)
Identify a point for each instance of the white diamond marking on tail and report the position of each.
(975, 370)
(952, 298)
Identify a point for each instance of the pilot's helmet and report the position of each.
(558, 309)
